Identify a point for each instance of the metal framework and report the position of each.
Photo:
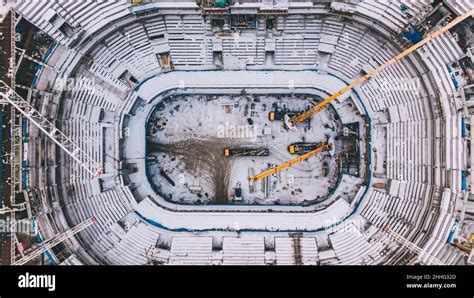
(287, 164)
(12, 68)
(14, 208)
(15, 149)
(24, 55)
(55, 241)
(411, 246)
(16, 170)
(66, 144)
(16, 154)
(8, 94)
(322, 105)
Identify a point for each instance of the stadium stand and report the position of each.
(123, 49)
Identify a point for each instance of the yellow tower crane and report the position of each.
(320, 106)
(323, 147)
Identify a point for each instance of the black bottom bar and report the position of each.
(379, 281)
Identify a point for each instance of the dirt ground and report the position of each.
(203, 157)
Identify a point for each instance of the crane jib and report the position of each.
(317, 108)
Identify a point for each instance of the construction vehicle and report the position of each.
(280, 115)
(167, 177)
(195, 189)
(379, 185)
(462, 245)
(322, 105)
(246, 152)
(302, 148)
(321, 148)
(238, 192)
(325, 169)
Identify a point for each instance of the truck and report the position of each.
(233, 152)
(302, 148)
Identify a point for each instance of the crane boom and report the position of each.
(411, 246)
(55, 241)
(36, 118)
(14, 208)
(287, 164)
(320, 106)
